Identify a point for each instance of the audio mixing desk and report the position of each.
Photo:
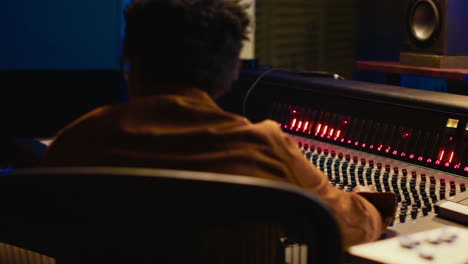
(410, 142)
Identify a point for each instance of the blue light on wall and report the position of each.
(424, 83)
(57, 34)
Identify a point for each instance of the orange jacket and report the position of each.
(189, 131)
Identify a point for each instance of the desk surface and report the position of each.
(397, 68)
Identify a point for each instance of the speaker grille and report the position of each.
(424, 21)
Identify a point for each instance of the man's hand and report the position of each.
(385, 202)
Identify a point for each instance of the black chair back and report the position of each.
(136, 215)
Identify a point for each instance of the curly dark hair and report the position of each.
(194, 42)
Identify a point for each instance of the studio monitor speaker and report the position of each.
(437, 28)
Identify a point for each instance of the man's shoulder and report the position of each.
(89, 121)
(271, 131)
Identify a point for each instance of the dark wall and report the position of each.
(379, 34)
(58, 60)
(58, 34)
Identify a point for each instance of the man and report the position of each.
(181, 54)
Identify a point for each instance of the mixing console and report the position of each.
(417, 188)
(410, 142)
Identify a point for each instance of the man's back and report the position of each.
(189, 131)
(180, 131)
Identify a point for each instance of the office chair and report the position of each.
(14, 255)
(137, 215)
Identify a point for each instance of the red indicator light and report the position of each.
(450, 138)
(319, 126)
(406, 135)
(387, 150)
(285, 126)
(363, 145)
(293, 123)
(342, 140)
(356, 143)
(411, 156)
(325, 129)
(371, 146)
(299, 126)
(451, 156)
(338, 133)
(420, 158)
(429, 160)
(403, 154)
(379, 148)
(457, 166)
(345, 122)
(441, 154)
(294, 111)
(395, 152)
(305, 126)
(447, 164)
(437, 162)
(280, 124)
(331, 132)
(349, 141)
(465, 169)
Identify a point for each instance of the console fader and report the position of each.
(407, 141)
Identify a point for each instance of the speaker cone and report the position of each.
(424, 20)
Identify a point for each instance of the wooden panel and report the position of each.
(306, 34)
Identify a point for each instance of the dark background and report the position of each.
(60, 59)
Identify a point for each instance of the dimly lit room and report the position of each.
(234, 131)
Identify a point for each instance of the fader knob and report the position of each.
(404, 172)
(417, 202)
(426, 199)
(387, 168)
(442, 182)
(398, 196)
(414, 213)
(452, 184)
(429, 207)
(402, 217)
(442, 195)
(424, 210)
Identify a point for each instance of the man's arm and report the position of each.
(358, 217)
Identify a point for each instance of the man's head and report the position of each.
(185, 42)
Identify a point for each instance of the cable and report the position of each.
(247, 94)
(302, 73)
